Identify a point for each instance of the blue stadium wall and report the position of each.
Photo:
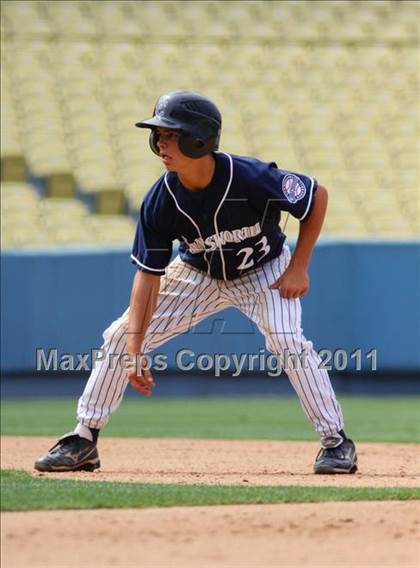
(364, 295)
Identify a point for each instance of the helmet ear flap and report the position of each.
(195, 147)
(153, 141)
(189, 145)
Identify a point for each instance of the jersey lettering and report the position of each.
(215, 241)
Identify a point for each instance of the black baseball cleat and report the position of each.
(342, 459)
(70, 453)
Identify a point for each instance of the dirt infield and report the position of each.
(225, 462)
(380, 535)
(363, 534)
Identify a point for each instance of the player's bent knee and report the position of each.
(292, 353)
(113, 336)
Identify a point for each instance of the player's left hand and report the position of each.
(293, 283)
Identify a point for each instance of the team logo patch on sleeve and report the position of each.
(293, 188)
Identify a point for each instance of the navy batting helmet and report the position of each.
(196, 116)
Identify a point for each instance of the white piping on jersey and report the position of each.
(309, 200)
(217, 211)
(214, 219)
(145, 266)
(188, 217)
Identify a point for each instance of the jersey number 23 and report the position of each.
(248, 253)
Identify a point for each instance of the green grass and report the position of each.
(22, 492)
(367, 419)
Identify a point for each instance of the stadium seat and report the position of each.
(328, 88)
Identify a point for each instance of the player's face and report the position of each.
(171, 156)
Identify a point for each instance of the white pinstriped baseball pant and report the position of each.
(186, 297)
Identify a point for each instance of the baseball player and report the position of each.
(225, 212)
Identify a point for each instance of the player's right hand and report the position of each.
(141, 379)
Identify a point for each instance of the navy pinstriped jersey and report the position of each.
(227, 228)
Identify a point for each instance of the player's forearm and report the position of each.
(142, 306)
(310, 230)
